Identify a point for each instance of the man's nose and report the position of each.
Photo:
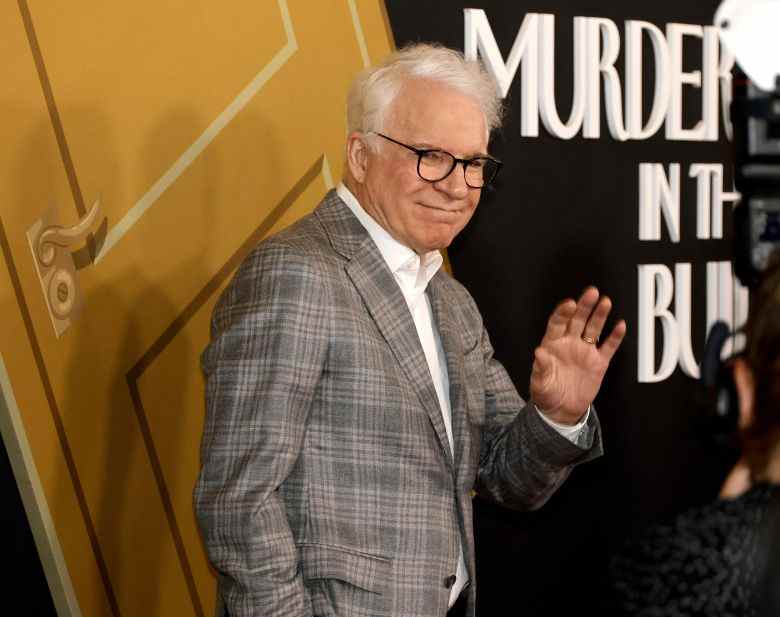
(455, 183)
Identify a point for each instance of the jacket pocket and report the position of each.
(363, 570)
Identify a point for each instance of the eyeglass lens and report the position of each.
(437, 165)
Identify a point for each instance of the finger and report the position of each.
(585, 306)
(597, 319)
(610, 346)
(556, 325)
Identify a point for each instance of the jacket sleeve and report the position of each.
(522, 459)
(268, 349)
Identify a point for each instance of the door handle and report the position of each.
(51, 246)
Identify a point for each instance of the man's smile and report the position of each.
(444, 209)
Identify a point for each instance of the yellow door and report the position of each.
(196, 128)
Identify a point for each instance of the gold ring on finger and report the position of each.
(589, 340)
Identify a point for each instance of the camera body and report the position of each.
(755, 115)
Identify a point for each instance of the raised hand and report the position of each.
(569, 365)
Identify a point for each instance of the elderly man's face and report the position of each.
(423, 215)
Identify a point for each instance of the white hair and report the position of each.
(374, 89)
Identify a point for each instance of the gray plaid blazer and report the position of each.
(328, 487)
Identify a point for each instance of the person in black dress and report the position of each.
(723, 558)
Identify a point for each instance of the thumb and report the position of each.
(542, 365)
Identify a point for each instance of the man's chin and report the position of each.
(435, 244)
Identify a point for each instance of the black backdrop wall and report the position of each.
(565, 214)
(30, 597)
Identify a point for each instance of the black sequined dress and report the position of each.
(712, 560)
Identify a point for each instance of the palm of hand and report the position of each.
(568, 371)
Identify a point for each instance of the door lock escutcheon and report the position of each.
(51, 246)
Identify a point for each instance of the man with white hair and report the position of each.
(353, 401)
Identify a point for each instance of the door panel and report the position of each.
(200, 128)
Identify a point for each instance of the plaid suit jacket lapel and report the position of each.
(385, 303)
(452, 340)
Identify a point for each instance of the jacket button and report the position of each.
(449, 581)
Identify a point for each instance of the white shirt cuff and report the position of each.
(569, 431)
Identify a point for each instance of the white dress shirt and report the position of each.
(412, 272)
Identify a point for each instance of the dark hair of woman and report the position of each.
(761, 439)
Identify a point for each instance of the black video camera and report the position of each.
(755, 115)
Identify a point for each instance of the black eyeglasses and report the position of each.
(434, 165)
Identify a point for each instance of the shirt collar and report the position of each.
(413, 271)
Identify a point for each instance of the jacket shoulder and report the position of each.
(305, 241)
(304, 237)
(298, 259)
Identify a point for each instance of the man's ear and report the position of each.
(357, 155)
(745, 383)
